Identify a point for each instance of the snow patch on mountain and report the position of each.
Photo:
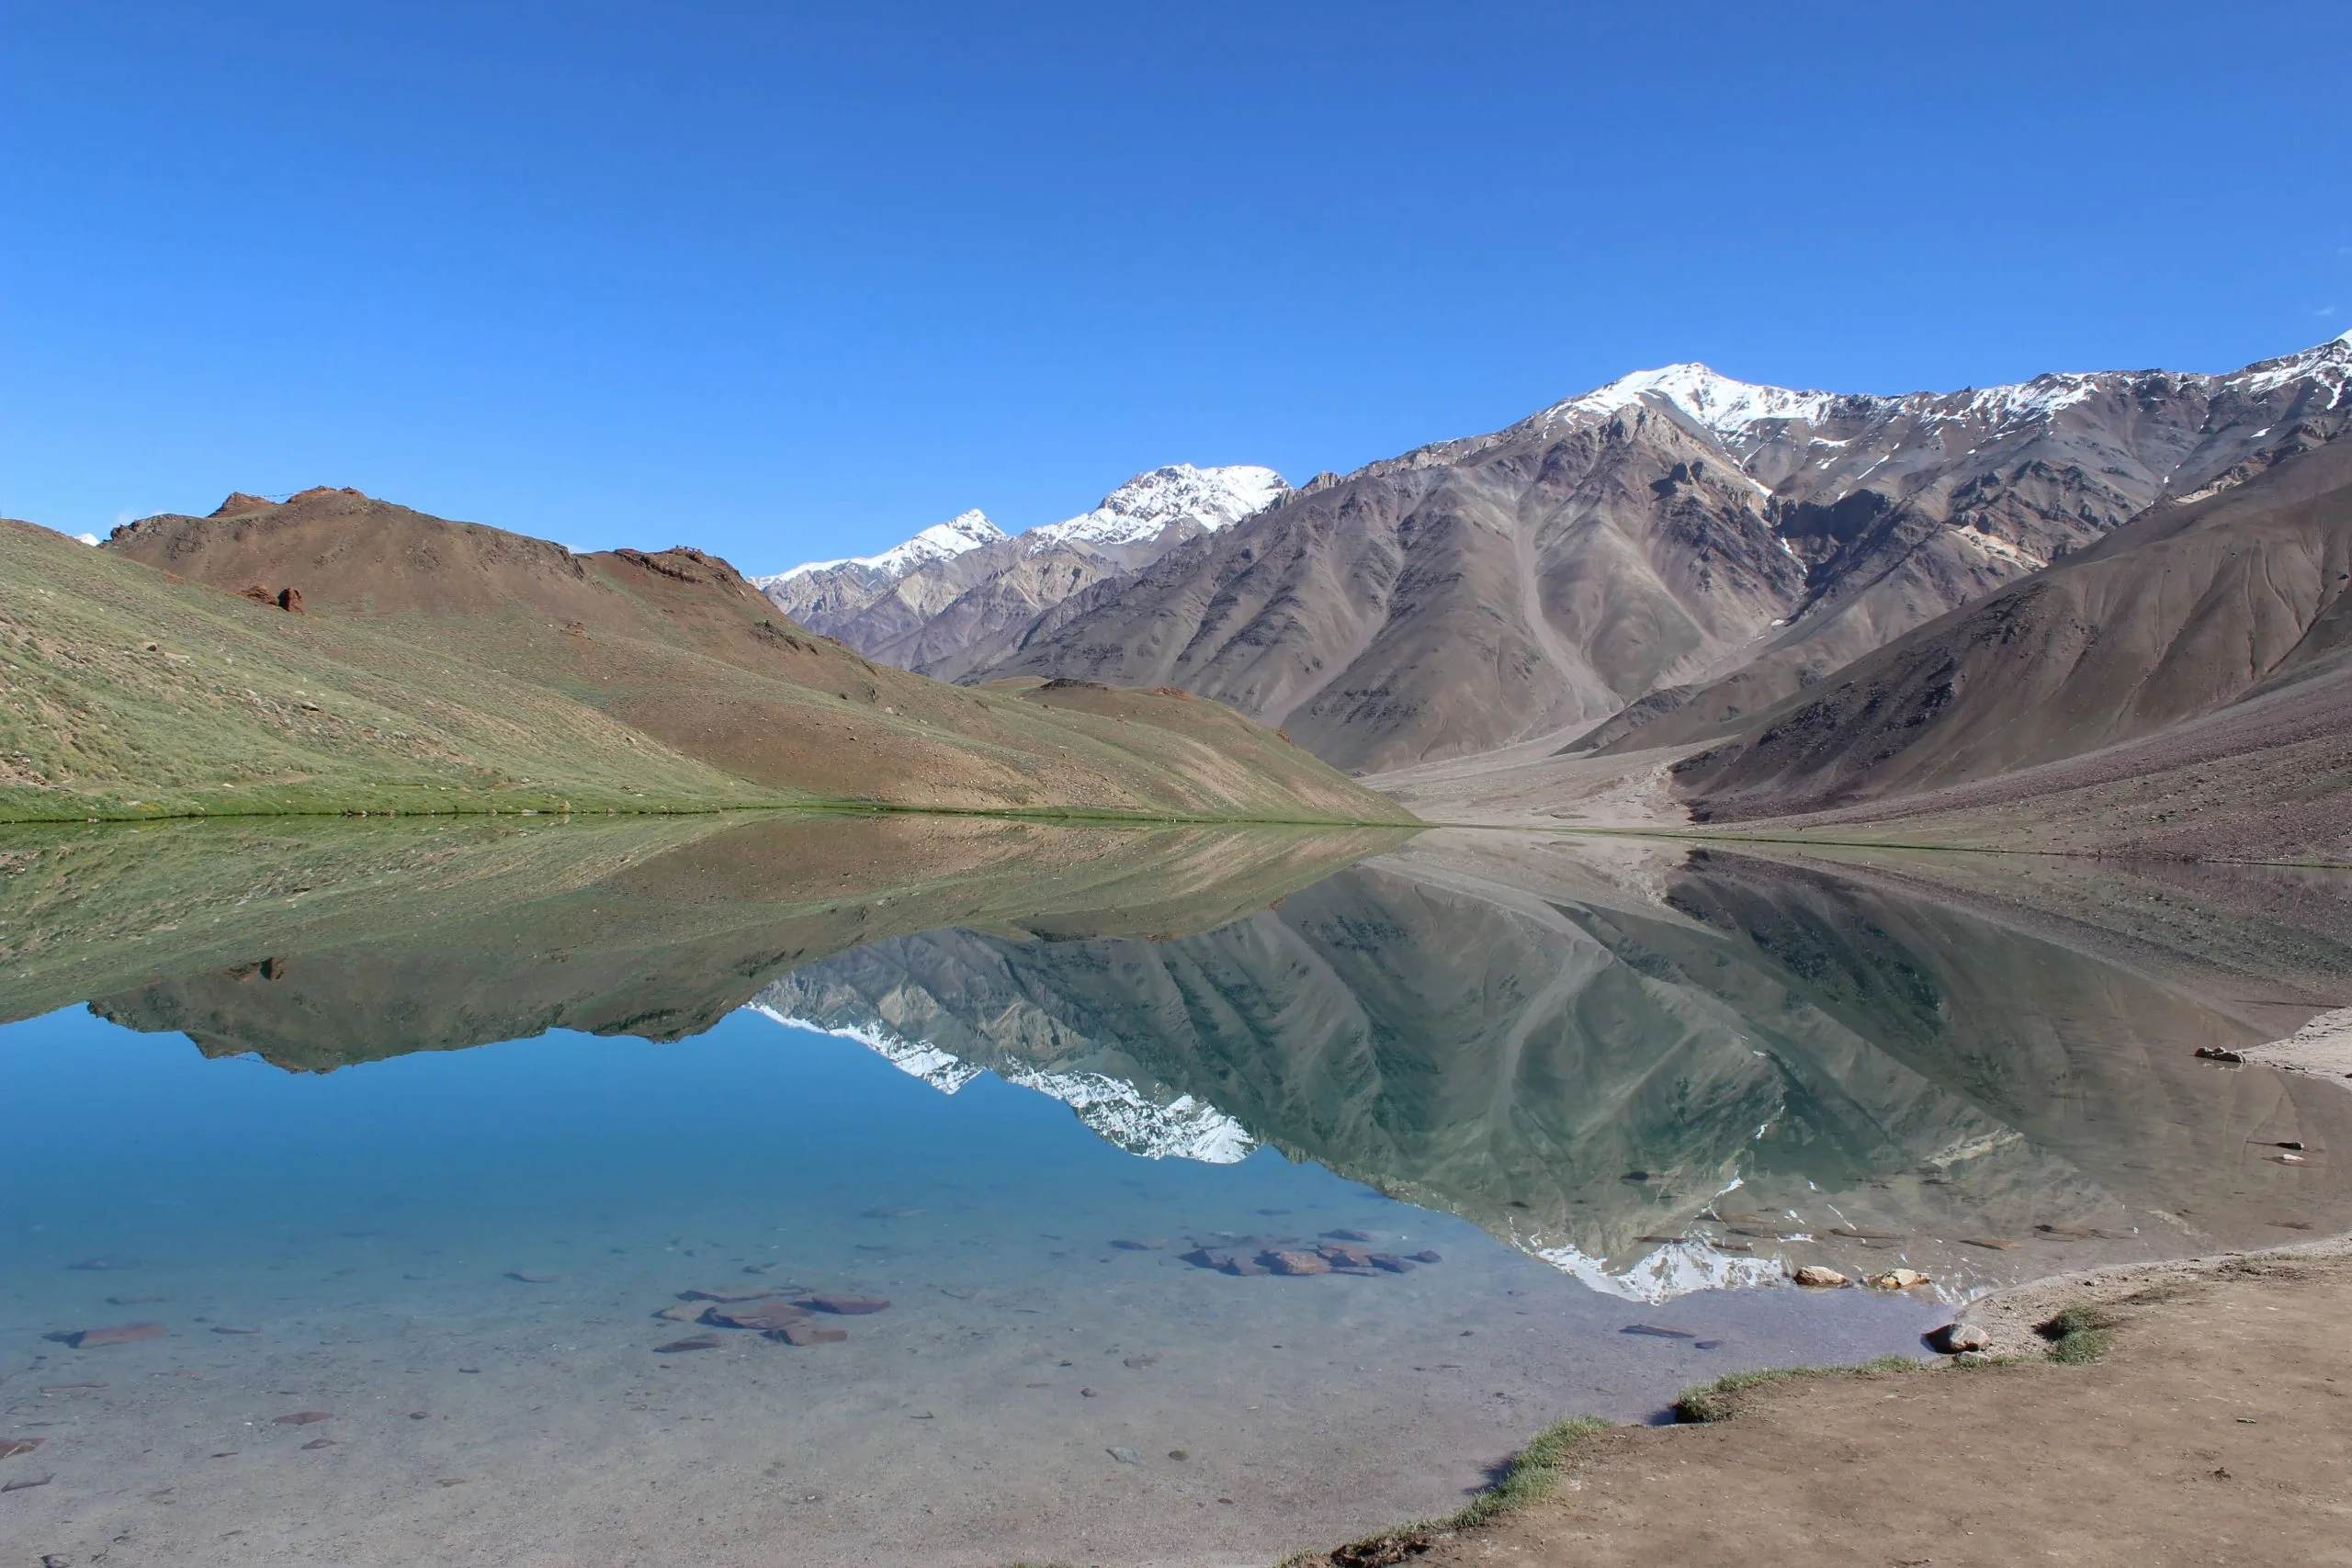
(1718, 402)
(1116, 1112)
(1675, 1268)
(2329, 364)
(964, 532)
(916, 1058)
(1147, 505)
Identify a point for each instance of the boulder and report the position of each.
(1954, 1338)
(1819, 1278)
(1896, 1280)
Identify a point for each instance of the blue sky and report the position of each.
(791, 282)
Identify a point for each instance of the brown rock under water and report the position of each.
(1289, 1260)
(802, 1331)
(773, 1312)
(117, 1334)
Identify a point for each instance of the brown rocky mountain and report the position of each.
(2227, 616)
(1662, 554)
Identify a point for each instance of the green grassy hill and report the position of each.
(443, 667)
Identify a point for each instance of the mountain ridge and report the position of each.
(958, 595)
(1663, 553)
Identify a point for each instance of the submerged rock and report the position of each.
(1392, 1263)
(682, 1312)
(697, 1342)
(526, 1279)
(1127, 1245)
(727, 1293)
(806, 1331)
(773, 1312)
(1896, 1280)
(1224, 1259)
(847, 1306)
(11, 1447)
(1289, 1260)
(302, 1418)
(118, 1334)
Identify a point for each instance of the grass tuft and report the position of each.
(1719, 1400)
(2079, 1335)
(1534, 1472)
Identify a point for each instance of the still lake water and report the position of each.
(1561, 1098)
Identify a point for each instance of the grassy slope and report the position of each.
(695, 663)
(125, 693)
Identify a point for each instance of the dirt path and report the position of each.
(2217, 1428)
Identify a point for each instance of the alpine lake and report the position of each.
(897, 1190)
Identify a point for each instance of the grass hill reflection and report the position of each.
(1688, 1069)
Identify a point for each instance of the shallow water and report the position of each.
(1631, 1105)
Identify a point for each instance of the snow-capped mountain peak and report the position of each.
(1145, 505)
(1723, 405)
(961, 534)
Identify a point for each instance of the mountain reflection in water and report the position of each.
(1658, 1070)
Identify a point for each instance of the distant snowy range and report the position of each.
(1637, 566)
(963, 594)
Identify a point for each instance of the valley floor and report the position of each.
(2216, 1429)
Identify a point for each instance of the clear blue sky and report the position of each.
(794, 281)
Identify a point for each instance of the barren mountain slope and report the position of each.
(1904, 508)
(678, 648)
(1538, 580)
(1462, 596)
(2186, 612)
